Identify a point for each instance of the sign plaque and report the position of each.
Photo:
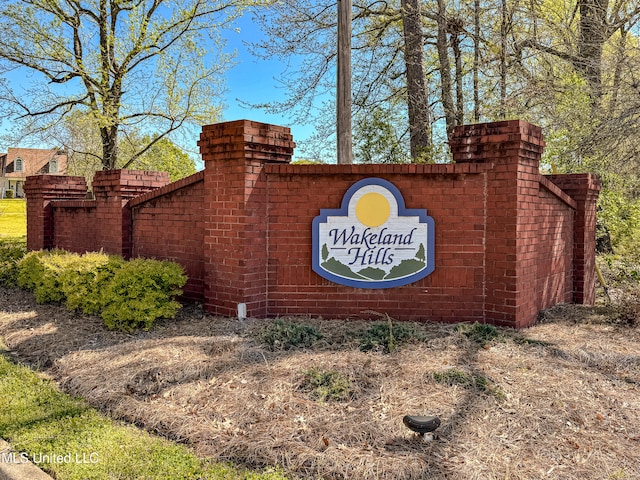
(372, 240)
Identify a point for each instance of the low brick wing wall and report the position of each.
(506, 241)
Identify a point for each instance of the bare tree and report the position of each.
(151, 63)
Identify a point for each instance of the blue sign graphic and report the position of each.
(372, 240)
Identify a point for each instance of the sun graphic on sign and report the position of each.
(373, 240)
(373, 209)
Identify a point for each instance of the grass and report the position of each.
(13, 218)
(43, 423)
(455, 376)
(285, 335)
(326, 386)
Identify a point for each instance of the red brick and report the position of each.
(508, 241)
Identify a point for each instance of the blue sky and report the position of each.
(251, 80)
(254, 80)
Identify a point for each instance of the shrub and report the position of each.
(31, 270)
(54, 266)
(283, 335)
(326, 386)
(387, 337)
(140, 292)
(42, 273)
(8, 194)
(11, 252)
(127, 295)
(83, 284)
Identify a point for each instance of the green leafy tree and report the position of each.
(153, 65)
(166, 156)
(78, 134)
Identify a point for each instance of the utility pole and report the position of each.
(345, 147)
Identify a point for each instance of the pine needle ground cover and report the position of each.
(71, 440)
(557, 400)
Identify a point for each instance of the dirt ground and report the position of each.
(560, 400)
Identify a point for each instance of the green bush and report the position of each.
(42, 273)
(54, 266)
(283, 335)
(140, 292)
(8, 194)
(31, 270)
(11, 252)
(127, 295)
(83, 284)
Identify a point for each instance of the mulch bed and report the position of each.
(558, 400)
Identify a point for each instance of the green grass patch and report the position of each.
(326, 386)
(470, 381)
(387, 337)
(13, 219)
(43, 424)
(480, 333)
(285, 335)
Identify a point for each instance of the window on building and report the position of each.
(19, 165)
(53, 166)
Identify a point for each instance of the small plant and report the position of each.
(11, 252)
(387, 337)
(453, 376)
(283, 335)
(326, 386)
(481, 333)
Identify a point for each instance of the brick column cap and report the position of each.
(55, 186)
(484, 142)
(128, 183)
(246, 139)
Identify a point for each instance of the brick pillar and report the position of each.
(514, 148)
(113, 189)
(235, 199)
(584, 189)
(40, 190)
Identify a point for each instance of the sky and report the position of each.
(251, 80)
(254, 80)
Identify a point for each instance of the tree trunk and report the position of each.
(503, 61)
(417, 98)
(109, 137)
(592, 36)
(617, 74)
(445, 69)
(455, 28)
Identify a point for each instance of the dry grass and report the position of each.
(561, 399)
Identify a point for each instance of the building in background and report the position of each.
(18, 163)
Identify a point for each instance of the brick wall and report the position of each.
(508, 241)
(40, 191)
(453, 196)
(168, 223)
